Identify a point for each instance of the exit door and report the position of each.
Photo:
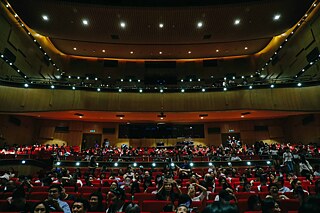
(89, 140)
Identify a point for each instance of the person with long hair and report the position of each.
(166, 192)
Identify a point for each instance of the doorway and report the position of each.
(89, 140)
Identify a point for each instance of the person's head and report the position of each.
(117, 195)
(269, 205)
(254, 203)
(168, 186)
(273, 188)
(132, 208)
(185, 200)
(247, 187)
(218, 207)
(55, 191)
(40, 207)
(191, 189)
(80, 206)
(225, 196)
(310, 205)
(95, 199)
(113, 186)
(168, 208)
(182, 209)
(295, 183)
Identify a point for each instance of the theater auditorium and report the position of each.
(194, 106)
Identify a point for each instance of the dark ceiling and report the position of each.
(143, 38)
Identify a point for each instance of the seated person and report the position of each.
(95, 202)
(269, 205)
(53, 200)
(274, 193)
(166, 192)
(80, 206)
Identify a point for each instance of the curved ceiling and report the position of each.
(123, 29)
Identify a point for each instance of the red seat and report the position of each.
(154, 206)
(38, 195)
(289, 205)
(140, 197)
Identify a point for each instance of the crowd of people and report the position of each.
(291, 176)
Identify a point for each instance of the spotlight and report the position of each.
(203, 90)
(116, 164)
(134, 164)
(58, 163)
(248, 163)
(172, 164)
(272, 86)
(191, 164)
(210, 164)
(299, 84)
(23, 162)
(153, 164)
(78, 164)
(26, 85)
(229, 164)
(268, 162)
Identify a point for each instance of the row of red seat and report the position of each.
(156, 206)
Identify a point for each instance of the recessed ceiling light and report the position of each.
(161, 25)
(74, 48)
(237, 21)
(246, 48)
(200, 24)
(276, 17)
(103, 51)
(189, 52)
(217, 51)
(85, 22)
(123, 24)
(45, 17)
(131, 52)
(242, 116)
(160, 52)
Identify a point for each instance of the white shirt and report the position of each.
(287, 156)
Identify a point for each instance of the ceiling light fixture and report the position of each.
(122, 24)
(85, 22)
(45, 17)
(161, 25)
(200, 24)
(276, 17)
(237, 22)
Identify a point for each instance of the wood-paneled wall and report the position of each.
(31, 130)
(286, 99)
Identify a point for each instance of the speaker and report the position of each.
(313, 55)
(214, 130)
(308, 119)
(108, 130)
(160, 64)
(210, 63)
(9, 55)
(14, 120)
(110, 63)
(260, 128)
(46, 61)
(61, 129)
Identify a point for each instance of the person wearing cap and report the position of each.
(225, 196)
(53, 200)
(117, 201)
